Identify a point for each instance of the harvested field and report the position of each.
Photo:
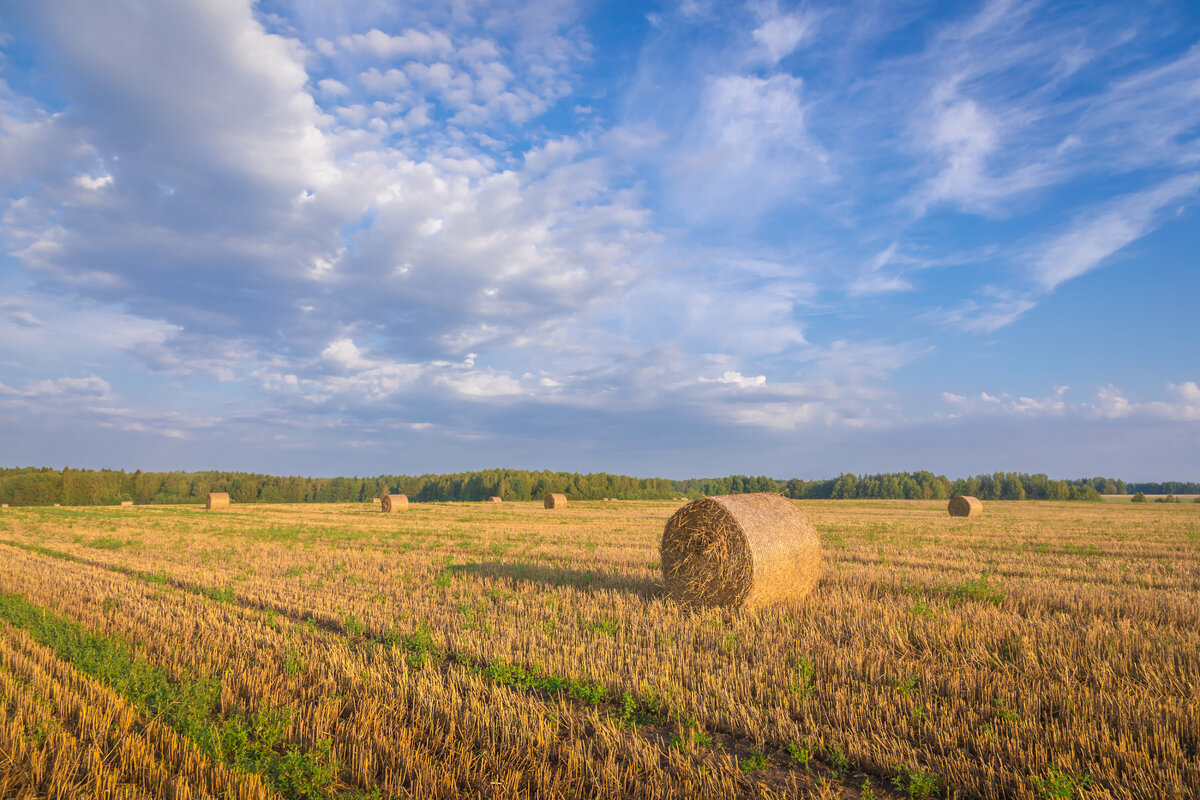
(458, 651)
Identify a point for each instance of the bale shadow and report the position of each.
(584, 580)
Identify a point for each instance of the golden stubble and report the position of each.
(986, 650)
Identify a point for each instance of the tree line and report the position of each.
(33, 486)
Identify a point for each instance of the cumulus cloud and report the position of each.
(1108, 403)
(384, 46)
(1111, 403)
(1004, 403)
(239, 220)
(1186, 405)
(93, 182)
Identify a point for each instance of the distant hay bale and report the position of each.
(126, 502)
(495, 499)
(3, 505)
(217, 500)
(556, 501)
(739, 550)
(58, 505)
(393, 502)
(964, 506)
(374, 499)
(606, 499)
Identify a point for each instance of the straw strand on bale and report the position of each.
(217, 500)
(739, 550)
(556, 501)
(965, 506)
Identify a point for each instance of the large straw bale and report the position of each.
(965, 506)
(495, 499)
(556, 501)
(740, 550)
(126, 502)
(217, 500)
(393, 502)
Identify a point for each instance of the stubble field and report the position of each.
(505, 650)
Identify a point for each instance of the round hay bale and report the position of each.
(3, 505)
(739, 550)
(965, 506)
(375, 500)
(556, 501)
(495, 499)
(217, 500)
(58, 505)
(126, 502)
(393, 502)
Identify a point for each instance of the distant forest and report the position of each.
(31, 486)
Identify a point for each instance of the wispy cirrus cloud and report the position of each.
(1098, 234)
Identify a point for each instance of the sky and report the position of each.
(350, 237)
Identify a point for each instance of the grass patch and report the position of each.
(251, 740)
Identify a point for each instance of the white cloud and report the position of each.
(872, 279)
(1004, 403)
(93, 183)
(737, 379)
(388, 82)
(1185, 408)
(993, 311)
(91, 386)
(1110, 403)
(329, 87)
(1013, 100)
(747, 150)
(1095, 237)
(781, 34)
(414, 43)
(344, 353)
(783, 416)
(168, 425)
(968, 137)
(343, 264)
(480, 384)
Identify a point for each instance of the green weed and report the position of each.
(1060, 785)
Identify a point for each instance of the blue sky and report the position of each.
(674, 239)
